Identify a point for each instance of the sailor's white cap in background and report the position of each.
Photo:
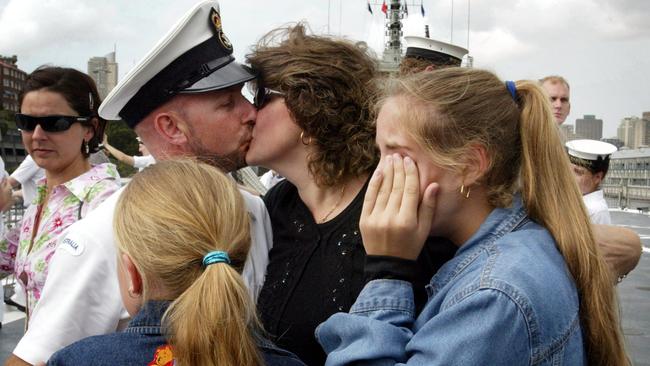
(435, 51)
(195, 56)
(590, 154)
(590, 149)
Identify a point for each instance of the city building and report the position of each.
(614, 141)
(628, 179)
(567, 132)
(634, 132)
(12, 149)
(104, 71)
(589, 127)
(12, 81)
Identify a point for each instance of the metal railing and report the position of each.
(12, 218)
(14, 215)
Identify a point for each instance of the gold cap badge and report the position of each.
(215, 18)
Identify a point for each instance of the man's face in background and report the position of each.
(559, 95)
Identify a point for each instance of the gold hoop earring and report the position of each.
(463, 192)
(302, 139)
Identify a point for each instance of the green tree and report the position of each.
(122, 138)
(6, 121)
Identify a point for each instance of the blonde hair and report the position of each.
(450, 110)
(555, 79)
(167, 219)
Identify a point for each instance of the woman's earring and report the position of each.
(86, 147)
(302, 139)
(463, 192)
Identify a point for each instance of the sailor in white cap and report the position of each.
(426, 54)
(590, 162)
(183, 99)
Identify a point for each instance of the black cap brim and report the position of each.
(232, 74)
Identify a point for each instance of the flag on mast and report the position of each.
(406, 9)
(384, 8)
(369, 8)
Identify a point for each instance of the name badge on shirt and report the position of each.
(73, 247)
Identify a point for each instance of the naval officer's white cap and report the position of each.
(591, 154)
(433, 50)
(194, 57)
(590, 149)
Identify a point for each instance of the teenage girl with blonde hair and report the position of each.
(180, 262)
(477, 161)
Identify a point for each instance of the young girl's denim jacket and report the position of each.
(506, 298)
(143, 343)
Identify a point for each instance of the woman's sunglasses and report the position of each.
(264, 95)
(28, 123)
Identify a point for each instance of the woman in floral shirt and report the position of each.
(60, 128)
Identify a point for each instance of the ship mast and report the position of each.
(392, 55)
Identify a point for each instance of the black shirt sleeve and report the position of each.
(393, 268)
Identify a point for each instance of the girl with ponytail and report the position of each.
(179, 266)
(478, 161)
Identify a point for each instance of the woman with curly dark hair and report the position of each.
(314, 127)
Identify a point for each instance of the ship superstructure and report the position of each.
(396, 11)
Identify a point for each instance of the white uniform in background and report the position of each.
(141, 162)
(270, 178)
(597, 207)
(81, 297)
(27, 174)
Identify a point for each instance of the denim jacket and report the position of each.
(143, 343)
(506, 298)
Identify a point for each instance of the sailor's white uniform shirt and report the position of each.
(597, 207)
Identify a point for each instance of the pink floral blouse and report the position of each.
(68, 203)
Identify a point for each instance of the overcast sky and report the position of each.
(601, 46)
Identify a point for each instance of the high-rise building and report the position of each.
(645, 121)
(589, 127)
(567, 132)
(634, 132)
(12, 82)
(104, 71)
(625, 131)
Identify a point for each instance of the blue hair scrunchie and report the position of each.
(216, 256)
(512, 88)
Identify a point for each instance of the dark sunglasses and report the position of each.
(28, 123)
(264, 95)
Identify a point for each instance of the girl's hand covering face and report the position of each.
(393, 221)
